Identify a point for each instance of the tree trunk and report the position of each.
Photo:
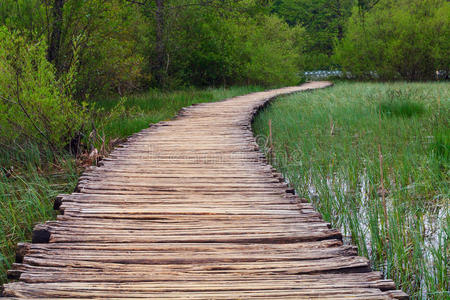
(340, 15)
(53, 54)
(159, 66)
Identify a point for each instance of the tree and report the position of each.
(398, 40)
(164, 15)
(324, 21)
(53, 54)
(160, 43)
(124, 45)
(106, 35)
(366, 5)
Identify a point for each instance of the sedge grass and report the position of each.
(328, 145)
(30, 179)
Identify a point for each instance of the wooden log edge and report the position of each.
(40, 235)
(21, 250)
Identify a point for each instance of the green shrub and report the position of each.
(26, 15)
(324, 21)
(34, 107)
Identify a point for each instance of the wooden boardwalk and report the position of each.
(188, 209)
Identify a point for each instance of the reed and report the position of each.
(374, 160)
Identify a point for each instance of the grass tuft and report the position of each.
(401, 103)
(440, 146)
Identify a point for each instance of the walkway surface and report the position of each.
(188, 209)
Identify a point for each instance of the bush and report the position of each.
(34, 107)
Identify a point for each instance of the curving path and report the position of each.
(188, 209)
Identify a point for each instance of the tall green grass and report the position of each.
(329, 144)
(31, 175)
(30, 178)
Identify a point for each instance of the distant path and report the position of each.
(188, 209)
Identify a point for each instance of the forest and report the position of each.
(77, 77)
(60, 55)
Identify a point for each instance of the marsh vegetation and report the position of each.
(374, 159)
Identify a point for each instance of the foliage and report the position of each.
(227, 45)
(324, 21)
(127, 46)
(326, 144)
(108, 37)
(28, 16)
(34, 107)
(203, 49)
(397, 39)
(124, 47)
(272, 49)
